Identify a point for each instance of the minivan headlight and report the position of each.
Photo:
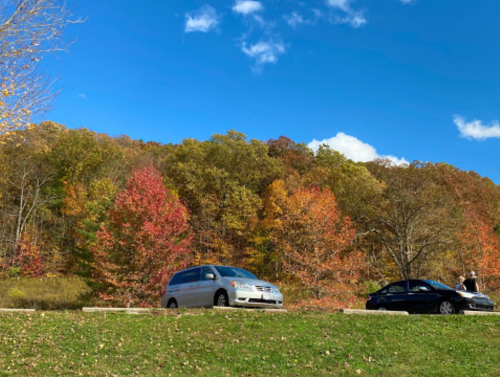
(237, 284)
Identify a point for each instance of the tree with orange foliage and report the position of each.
(145, 239)
(481, 250)
(28, 261)
(316, 242)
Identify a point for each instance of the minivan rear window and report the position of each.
(176, 279)
(233, 272)
(188, 276)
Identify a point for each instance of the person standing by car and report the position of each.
(460, 285)
(471, 283)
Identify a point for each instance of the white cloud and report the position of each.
(476, 130)
(263, 52)
(294, 19)
(247, 7)
(341, 4)
(355, 20)
(352, 17)
(82, 96)
(203, 20)
(354, 149)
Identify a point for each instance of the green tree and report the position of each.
(221, 180)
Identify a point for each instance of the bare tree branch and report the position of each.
(29, 30)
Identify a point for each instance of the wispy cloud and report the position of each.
(352, 17)
(251, 12)
(340, 4)
(263, 52)
(295, 20)
(203, 20)
(354, 149)
(476, 129)
(246, 7)
(317, 13)
(355, 20)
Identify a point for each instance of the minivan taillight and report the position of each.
(163, 292)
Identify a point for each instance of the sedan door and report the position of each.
(397, 296)
(422, 297)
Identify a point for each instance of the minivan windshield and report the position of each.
(233, 272)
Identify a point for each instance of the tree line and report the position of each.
(124, 214)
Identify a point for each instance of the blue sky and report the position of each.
(415, 80)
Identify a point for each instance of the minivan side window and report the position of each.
(190, 276)
(204, 271)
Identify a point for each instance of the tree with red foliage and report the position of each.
(316, 241)
(28, 262)
(146, 238)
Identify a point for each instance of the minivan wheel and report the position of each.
(172, 304)
(221, 299)
(446, 307)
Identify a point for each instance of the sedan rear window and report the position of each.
(233, 272)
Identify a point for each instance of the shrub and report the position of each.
(57, 293)
(369, 286)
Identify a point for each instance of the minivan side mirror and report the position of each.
(210, 276)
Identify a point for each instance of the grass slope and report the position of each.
(207, 343)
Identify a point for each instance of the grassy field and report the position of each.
(208, 343)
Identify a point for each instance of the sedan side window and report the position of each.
(419, 286)
(398, 288)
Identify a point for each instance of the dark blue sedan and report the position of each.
(426, 296)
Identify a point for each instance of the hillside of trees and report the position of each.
(124, 214)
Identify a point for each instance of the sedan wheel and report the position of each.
(221, 299)
(446, 307)
(382, 308)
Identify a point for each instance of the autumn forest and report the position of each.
(124, 214)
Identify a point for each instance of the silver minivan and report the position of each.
(211, 285)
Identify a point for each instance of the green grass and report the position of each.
(208, 343)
